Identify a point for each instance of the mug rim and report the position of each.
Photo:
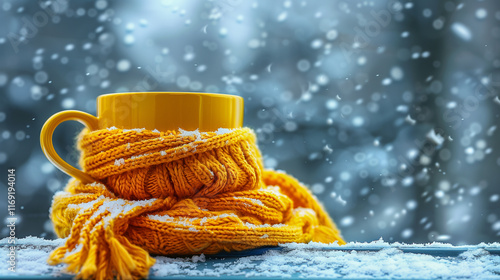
(208, 94)
(170, 110)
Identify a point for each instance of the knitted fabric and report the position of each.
(176, 193)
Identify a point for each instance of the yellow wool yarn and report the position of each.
(176, 193)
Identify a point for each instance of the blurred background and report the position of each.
(387, 110)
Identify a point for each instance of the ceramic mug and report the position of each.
(150, 110)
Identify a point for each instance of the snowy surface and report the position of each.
(377, 259)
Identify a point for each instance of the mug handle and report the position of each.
(48, 149)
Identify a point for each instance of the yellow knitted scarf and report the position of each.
(176, 193)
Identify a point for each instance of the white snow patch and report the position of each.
(139, 156)
(223, 131)
(119, 162)
(253, 226)
(255, 201)
(114, 207)
(185, 133)
(134, 129)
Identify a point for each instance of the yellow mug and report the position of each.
(163, 111)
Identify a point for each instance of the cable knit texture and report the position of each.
(176, 193)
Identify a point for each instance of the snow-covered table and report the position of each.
(375, 260)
